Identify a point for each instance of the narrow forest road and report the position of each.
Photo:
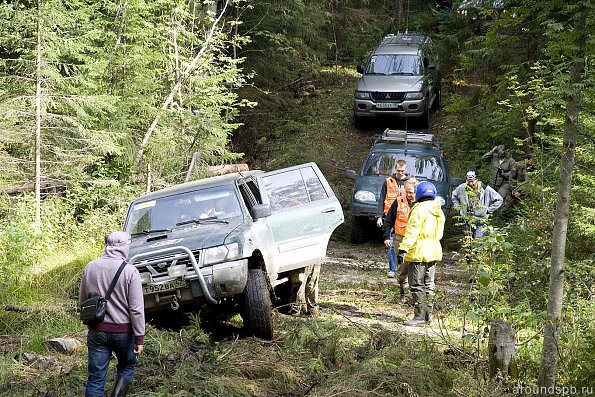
(354, 285)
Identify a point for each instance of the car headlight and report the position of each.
(221, 253)
(441, 200)
(365, 196)
(362, 95)
(414, 95)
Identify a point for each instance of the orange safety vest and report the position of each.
(403, 210)
(393, 190)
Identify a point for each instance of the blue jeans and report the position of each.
(100, 346)
(392, 259)
(477, 230)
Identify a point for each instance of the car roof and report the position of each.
(227, 179)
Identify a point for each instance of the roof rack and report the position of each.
(405, 39)
(406, 137)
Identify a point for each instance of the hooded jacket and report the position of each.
(423, 233)
(489, 201)
(125, 308)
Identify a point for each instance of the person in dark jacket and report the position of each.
(123, 329)
(391, 189)
(396, 220)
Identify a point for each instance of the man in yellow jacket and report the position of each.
(421, 248)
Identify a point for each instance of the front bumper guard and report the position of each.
(186, 252)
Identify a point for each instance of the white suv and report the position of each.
(400, 79)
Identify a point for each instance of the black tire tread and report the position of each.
(357, 230)
(257, 306)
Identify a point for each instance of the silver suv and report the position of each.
(401, 78)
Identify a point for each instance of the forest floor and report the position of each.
(359, 336)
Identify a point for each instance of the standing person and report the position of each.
(122, 332)
(501, 165)
(518, 178)
(396, 219)
(391, 188)
(475, 203)
(421, 248)
(304, 290)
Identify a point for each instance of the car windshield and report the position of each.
(169, 212)
(420, 166)
(394, 64)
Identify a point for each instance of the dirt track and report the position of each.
(354, 285)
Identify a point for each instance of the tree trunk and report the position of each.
(550, 351)
(38, 123)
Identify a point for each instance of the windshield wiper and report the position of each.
(145, 232)
(198, 221)
(402, 74)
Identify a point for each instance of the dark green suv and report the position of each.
(423, 154)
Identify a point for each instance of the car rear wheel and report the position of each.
(257, 306)
(424, 120)
(358, 225)
(437, 99)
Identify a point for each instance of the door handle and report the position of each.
(328, 211)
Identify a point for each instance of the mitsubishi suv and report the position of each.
(400, 79)
(423, 154)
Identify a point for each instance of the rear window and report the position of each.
(422, 166)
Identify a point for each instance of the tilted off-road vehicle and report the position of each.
(228, 243)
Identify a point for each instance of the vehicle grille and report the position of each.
(388, 96)
(158, 265)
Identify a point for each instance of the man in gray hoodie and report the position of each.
(475, 203)
(123, 329)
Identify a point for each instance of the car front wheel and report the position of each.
(257, 306)
(357, 229)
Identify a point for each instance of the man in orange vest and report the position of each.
(391, 188)
(396, 219)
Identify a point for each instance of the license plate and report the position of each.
(164, 287)
(387, 105)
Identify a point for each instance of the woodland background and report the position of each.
(101, 101)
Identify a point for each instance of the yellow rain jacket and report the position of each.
(425, 227)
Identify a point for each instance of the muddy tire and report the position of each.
(257, 306)
(437, 100)
(358, 228)
(424, 120)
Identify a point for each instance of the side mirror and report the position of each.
(350, 174)
(360, 69)
(431, 66)
(260, 211)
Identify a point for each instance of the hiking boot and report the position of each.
(121, 387)
(429, 310)
(391, 274)
(419, 316)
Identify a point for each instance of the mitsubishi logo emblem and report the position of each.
(387, 95)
